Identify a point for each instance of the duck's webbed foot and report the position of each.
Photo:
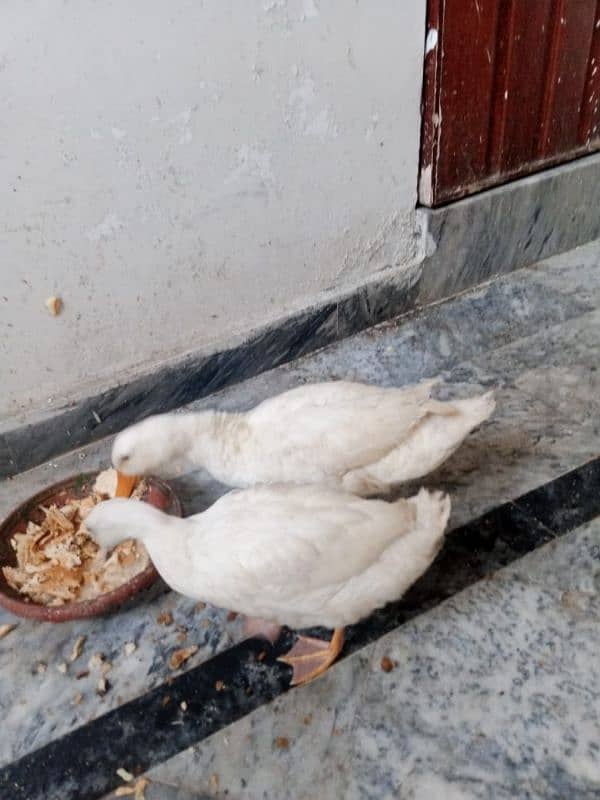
(310, 657)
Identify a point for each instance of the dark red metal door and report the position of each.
(511, 86)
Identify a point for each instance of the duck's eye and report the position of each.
(125, 459)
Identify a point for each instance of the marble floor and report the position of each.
(494, 692)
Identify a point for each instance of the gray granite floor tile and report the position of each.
(508, 335)
(494, 694)
(574, 273)
(558, 365)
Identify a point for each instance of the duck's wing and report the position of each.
(339, 425)
(340, 394)
(285, 541)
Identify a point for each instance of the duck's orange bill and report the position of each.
(125, 484)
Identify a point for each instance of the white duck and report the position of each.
(296, 556)
(361, 438)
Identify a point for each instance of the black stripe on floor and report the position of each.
(152, 728)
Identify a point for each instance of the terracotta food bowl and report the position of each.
(158, 494)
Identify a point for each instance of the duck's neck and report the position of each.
(189, 436)
(167, 546)
(210, 435)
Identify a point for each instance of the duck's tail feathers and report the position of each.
(433, 511)
(430, 383)
(477, 409)
(441, 408)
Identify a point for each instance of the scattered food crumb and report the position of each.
(200, 606)
(62, 668)
(219, 686)
(307, 719)
(77, 699)
(54, 305)
(282, 742)
(124, 775)
(83, 673)
(231, 615)
(213, 782)
(77, 648)
(102, 687)
(6, 629)
(130, 648)
(106, 667)
(137, 790)
(96, 661)
(166, 618)
(140, 788)
(574, 599)
(183, 705)
(179, 657)
(41, 667)
(387, 665)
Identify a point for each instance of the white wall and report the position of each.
(180, 171)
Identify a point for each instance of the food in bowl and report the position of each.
(58, 561)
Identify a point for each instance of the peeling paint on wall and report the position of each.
(425, 185)
(322, 126)
(310, 9)
(397, 242)
(252, 162)
(214, 169)
(372, 126)
(303, 113)
(182, 125)
(106, 230)
(431, 40)
(300, 101)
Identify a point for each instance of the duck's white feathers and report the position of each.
(301, 556)
(424, 449)
(365, 439)
(317, 433)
